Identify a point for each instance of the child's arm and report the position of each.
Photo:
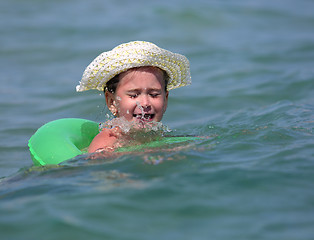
(105, 140)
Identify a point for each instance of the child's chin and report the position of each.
(143, 123)
(143, 120)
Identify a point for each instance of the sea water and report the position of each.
(252, 91)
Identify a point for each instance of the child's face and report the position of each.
(140, 95)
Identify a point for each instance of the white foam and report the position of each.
(137, 132)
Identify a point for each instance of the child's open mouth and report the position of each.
(145, 117)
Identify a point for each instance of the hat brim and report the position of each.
(132, 55)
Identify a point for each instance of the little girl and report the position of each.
(135, 78)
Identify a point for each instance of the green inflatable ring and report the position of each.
(63, 139)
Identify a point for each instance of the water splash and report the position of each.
(136, 132)
(141, 108)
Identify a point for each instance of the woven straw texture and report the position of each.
(135, 54)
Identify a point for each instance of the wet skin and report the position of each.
(140, 97)
(140, 94)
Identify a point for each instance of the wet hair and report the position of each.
(112, 84)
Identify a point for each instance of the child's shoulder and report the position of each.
(105, 139)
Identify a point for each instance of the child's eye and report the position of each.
(133, 95)
(154, 95)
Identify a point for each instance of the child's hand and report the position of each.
(102, 153)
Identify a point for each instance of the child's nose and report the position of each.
(145, 101)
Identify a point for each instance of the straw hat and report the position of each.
(135, 54)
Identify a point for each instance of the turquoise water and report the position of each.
(252, 94)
